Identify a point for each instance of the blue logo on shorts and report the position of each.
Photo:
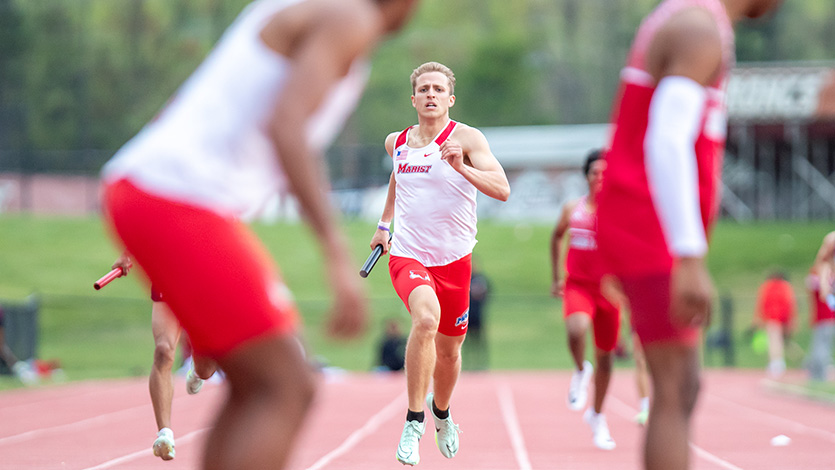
(462, 320)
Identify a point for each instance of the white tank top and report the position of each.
(434, 206)
(210, 146)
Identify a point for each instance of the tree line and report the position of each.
(80, 77)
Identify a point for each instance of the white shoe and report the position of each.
(193, 382)
(776, 368)
(578, 390)
(446, 432)
(600, 429)
(164, 445)
(25, 373)
(408, 452)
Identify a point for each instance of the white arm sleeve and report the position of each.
(675, 114)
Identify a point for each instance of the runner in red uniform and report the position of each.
(584, 305)
(167, 333)
(659, 197)
(255, 115)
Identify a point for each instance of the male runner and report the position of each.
(167, 333)
(439, 167)
(659, 197)
(584, 304)
(273, 93)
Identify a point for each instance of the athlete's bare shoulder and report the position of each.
(355, 23)
(390, 140)
(465, 134)
(688, 44)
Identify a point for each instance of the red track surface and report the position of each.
(510, 421)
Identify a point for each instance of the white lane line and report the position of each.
(75, 426)
(355, 437)
(144, 452)
(777, 420)
(512, 425)
(620, 408)
(625, 411)
(69, 427)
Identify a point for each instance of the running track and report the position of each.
(510, 421)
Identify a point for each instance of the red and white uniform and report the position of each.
(434, 206)
(582, 284)
(213, 149)
(636, 243)
(435, 220)
(175, 193)
(582, 262)
(630, 232)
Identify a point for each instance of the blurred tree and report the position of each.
(12, 48)
(95, 71)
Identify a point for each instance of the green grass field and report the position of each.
(107, 333)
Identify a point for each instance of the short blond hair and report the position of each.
(434, 67)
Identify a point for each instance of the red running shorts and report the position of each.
(218, 279)
(450, 282)
(585, 296)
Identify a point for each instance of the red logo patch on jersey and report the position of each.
(406, 168)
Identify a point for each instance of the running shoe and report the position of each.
(164, 445)
(193, 382)
(25, 373)
(446, 432)
(600, 430)
(642, 417)
(578, 390)
(408, 452)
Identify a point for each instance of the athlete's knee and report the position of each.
(448, 356)
(164, 353)
(577, 324)
(204, 368)
(425, 322)
(299, 392)
(604, 362)
(677, 392)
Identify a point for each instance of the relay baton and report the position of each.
(105, 280)
(372, 260)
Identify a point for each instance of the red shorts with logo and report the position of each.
(450, 282)
(218, 279)
(649, 303)
(585, 296)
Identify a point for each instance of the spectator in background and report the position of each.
(822, 309)
(775, 312)
(21, 369)
(392, 348)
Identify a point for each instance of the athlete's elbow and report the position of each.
(504, 193)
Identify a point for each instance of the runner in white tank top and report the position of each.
(439, 166)
(276, 88)
(215, 150)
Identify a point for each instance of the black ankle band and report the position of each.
(441, 414)
(415, 416)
